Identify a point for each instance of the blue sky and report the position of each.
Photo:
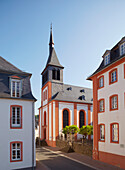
(82, 30)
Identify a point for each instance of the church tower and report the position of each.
(53, 71)
(61, 104)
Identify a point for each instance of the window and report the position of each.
(113, 76)
(65, 118)
(114, 128)
(58, 74)
(15, 88)
(69, 88)
(45, 95)
(45, 77)
(16, 151)
(54, 74)
(107, 59)
(122, 49)
(102, 132)
(101, 82)
(101, 105)
(114, 102)
(44, 118)
(82, 97)
(15, 117)
(81, 118)
(82, 91)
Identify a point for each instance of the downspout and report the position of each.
(33, 136)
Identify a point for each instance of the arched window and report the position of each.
(81, 118)
(58, 74)
(65, 118)
(44, 118)
(54, 74)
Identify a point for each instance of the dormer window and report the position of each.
(82, 97)
(15, 88)
(107, 59)
(82, 91)
(122, 48)
(69, 88)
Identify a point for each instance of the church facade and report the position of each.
(61, 104)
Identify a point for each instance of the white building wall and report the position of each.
(54, 139)
(40, 122)
(118, 116)
(8, 135)
(50, 135)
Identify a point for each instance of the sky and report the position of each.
(82, 30)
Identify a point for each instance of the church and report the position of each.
(61, 104)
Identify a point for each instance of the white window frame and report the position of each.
(107, 59)
(16, 117)
(113, 76)
(102, 132)
(114, 103)
(101, 82)
(122, 49)
(16, 149)
(115, 132)
(101, 105)
(17, 91)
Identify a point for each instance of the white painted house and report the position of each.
(17, 144)
(109, 107)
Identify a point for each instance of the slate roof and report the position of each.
(114, 56)
(73, 94)
(6, 66)
(53, 60)
(7, 70)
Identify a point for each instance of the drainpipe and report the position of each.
(33, 136)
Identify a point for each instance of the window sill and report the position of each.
(113, 109)
(16, 127)
(100, 87)
(112, 82)
(115, 142)
(101, 111)
(101, 140)
(16, 160)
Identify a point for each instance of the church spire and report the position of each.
(51, 43)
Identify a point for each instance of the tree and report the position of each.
(69, 131)
(85, 131)
(89, 129)
(73, 129)
(65, 130)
